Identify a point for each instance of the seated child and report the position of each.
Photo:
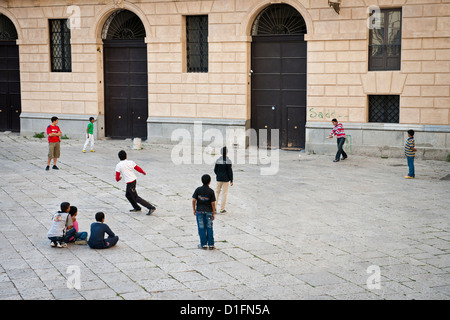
(98, 229)
(62, 227)
(80, 237)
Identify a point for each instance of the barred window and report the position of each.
(60, 50)
(197, 43)
(384, 108)
(385, 40)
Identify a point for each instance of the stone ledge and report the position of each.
(382, 126)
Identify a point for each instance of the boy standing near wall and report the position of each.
(410, 153)
(338, 131)
(90, 135)
(54, 143)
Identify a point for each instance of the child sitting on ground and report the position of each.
(80, 237)
(98, 229)
(62, 227)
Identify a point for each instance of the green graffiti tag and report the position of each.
(330, 114)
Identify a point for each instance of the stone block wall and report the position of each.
(338, 78)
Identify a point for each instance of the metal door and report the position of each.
(279, 87)
(126, 88)
(10, 100)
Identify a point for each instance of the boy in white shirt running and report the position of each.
(126, 169)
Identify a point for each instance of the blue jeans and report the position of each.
(340, 145)
(69, 234)
(79, 236)
(411, 166)
(205, 228)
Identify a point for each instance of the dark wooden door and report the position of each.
(279, 88)
(10, 101)
(126, 88)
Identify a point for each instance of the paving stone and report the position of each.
(309, 232)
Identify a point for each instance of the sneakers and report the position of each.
(92, 150)
(54, 167)
(84, 151)
(58, 244)
(135, 210)
(222, 211)
(336, 160)
(408, 177)
(205, 247)
(150, 211)
(81, 242)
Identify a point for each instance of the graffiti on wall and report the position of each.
(329, 114)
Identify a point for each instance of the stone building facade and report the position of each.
(145, 68)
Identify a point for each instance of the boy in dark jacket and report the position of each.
(224, 176)
(98, 229)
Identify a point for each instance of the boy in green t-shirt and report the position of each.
(90, 135)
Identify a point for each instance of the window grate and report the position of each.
(124, 25)
(279, 19)
(197, 43)
(384, 108)
(60, 50)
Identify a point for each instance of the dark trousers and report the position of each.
(134, 199)
(65, 238)
(107, 243)
(340, 145)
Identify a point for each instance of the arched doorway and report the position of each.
(278, 90)
(10, 100)
(125, 76)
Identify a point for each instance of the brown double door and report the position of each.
(279, 88)
(126, 88)
(10, 101)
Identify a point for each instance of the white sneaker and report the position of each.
(61, 244)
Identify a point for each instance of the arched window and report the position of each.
(7, 30)
(279, 19)
(125, 25)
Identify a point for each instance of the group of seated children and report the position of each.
(64, 229)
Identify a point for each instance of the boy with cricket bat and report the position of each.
(338, 131)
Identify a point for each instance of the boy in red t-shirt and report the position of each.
(54, 142)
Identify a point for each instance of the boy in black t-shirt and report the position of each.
(204, 205)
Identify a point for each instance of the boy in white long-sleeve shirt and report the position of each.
(126, 169)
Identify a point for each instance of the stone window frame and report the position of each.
(381, 63)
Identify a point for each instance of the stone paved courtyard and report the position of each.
(315, 230)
